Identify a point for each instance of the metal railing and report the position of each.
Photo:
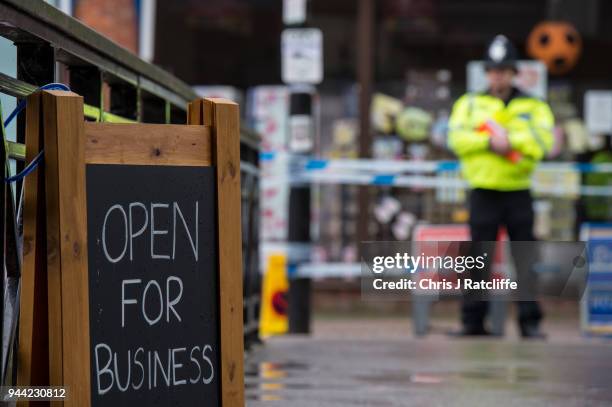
(117, 86)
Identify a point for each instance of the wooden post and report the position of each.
(223, 116)
(69, 363)
(33, 353)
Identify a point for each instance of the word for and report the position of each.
(154, 292)
(126, 220)
(148, 369)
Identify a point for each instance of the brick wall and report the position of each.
(115, 19)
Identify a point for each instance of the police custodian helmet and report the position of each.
(501, 54)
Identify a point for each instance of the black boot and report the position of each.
(531, 331)
(471, 331)
(530, 315)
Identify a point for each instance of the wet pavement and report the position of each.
(381, 368)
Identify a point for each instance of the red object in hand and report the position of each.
(495, 131)
(483, 128)
(493, 128)
(514, 156)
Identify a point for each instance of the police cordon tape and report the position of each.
(326, 270)
(411, 174)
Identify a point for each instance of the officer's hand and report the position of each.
(494, 128)
(499, 143)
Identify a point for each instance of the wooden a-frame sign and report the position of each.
(132, 284)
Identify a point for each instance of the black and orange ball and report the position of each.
(557, 44)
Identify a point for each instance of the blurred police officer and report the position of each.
(499, 136)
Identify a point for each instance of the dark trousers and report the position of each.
(488, 211)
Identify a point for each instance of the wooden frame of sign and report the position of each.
(70, 308)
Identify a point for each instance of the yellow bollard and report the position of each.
(273, 319)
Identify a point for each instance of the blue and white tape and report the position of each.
(411, 166)
(420, 174)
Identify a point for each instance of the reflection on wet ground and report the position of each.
(314, 371)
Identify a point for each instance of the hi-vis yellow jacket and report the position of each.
(529, 123)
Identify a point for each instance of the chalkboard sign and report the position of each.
(152, 285)
(133, 231)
